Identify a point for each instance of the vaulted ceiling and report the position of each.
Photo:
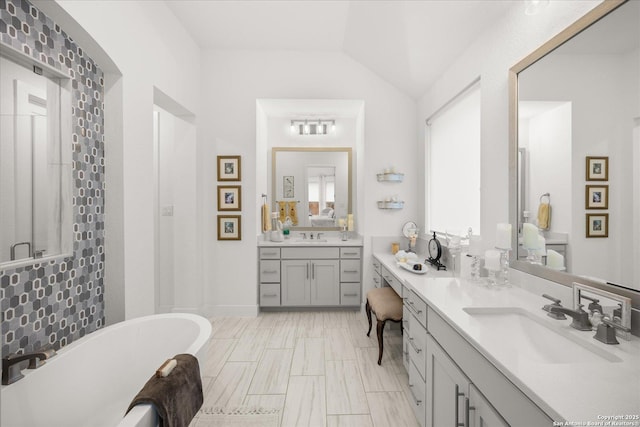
(407, 43)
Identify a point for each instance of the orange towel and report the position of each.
(544, 216)
(293, 212)
(282, 211)
(266, 218)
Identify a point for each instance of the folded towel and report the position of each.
(282, 211)
(544, 216)
(293, 212)
(176, 397)
(266, 218)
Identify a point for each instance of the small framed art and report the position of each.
(229, 168)
(597, 168)
(596, 197)
(229, 227)
(288, 189)
(597, 225)
(229, 198)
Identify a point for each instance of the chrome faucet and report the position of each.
(311, 236)
(556, 303)
(13, 249)
(580, 317)
(12, 365)
(304, 236)
(318, 236)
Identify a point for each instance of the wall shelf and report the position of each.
(390, 177)
(390, 205)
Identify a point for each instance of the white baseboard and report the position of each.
(190, 310)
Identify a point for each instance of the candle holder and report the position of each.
(503, 277)
(475, 269)
(533, 256)
(492, 279)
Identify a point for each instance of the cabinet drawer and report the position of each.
(350, 294)
(270, 294)
(405, 318)
(269, 271)
(391, 280)
(417, 391)
(417, 307)
(310, 253)
(417, 345)
(269, 253)
(350, 270)
(377, 280)
(376, 265)
(350, 252)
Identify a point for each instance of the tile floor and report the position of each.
(315, 368)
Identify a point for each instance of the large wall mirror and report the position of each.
(575, 144)
(315, 182)
(35, 161)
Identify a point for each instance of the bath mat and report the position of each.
(237, 416)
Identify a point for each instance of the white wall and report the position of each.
(151, 50)
(232, 81)
(490, 57)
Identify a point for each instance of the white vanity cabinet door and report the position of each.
(296, 282)
(480, 411)
(417, 394)
(325, 282)
(447, 388)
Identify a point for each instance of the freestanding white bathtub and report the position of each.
(91, 382)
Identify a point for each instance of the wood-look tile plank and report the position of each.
(374, 377)
(349, 421)
(308, 357)
(231, 385)
(250, 345)
(228, 327)
(338, 345)
(345, 392)
(272, 373)
(218, 351)
(266, 401)
(283, 337)
(305, 402)
(391, 409)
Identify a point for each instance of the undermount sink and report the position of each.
(308, 241)
(529, 337)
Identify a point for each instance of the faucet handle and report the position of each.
(556, 303)
(549, 297)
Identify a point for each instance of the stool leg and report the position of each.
(368, 310)
(380, 329)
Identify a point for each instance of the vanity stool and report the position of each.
(386, 305)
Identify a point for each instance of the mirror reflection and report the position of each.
(34, 167)
(311, 186)
(579, 151)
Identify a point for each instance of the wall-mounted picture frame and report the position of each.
(596, 197)
(597, 168)
(598, 225)
(229, 227)
(229, 168)
(229, 197)
(288, 187)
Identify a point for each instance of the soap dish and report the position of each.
(410, 267)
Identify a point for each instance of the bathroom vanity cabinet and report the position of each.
(326, 276)
(450, 382)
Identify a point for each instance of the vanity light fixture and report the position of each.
(313, 126)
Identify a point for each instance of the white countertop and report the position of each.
(308, 243)
(580, 390)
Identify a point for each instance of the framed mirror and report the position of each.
(311, 186)
(574, 111)
(35, 161)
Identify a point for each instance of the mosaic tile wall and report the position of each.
(55, 303)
